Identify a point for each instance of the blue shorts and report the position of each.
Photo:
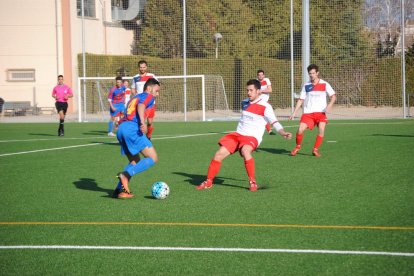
(119, 108)
(131, 139)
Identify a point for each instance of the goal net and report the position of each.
(182, 98)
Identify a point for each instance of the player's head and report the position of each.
(313, 72)
(60, 79)
(260, 74)
(152, 86)
(126, 83)
(142, 65)
(253, 89)
(118, 81)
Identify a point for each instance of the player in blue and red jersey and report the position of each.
(116, 99)
(313, 97)
(132, 138)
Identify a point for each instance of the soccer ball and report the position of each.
(160, 190)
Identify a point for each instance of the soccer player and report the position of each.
(116, 99)
(265, 90)
(61, 92)
(127, 92)
(132, 138)
(256, 112)
(137, 85)
(313, 97)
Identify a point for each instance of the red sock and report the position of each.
(318, 142)
(249, 164)
(213, 169)
(268, 128)
(149, 132)
(299, 138)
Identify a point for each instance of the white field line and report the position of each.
(95, 144)
(261, 250)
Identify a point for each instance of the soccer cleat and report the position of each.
(115, 193)
(124, 181)
(295, 151)
(124, 195)
(61, 133)
(111, 134)
(252, 185)
(205, 185)
(316, 153)
(271, 133)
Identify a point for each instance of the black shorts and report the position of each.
(61, 107)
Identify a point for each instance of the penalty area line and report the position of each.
(211, 249)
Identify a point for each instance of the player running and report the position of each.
(313, 97)
(265, 90)
(131, 137)
(137, 86)
(256, 112)
(116, 99)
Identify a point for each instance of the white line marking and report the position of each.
(56, 139)
(265, 250)
(95, 144)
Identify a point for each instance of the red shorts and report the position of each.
(235, 141)
(150, 112)
(312, 119)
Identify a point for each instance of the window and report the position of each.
(88, 7)
(21, 75)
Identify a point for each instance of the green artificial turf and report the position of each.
(358, 196)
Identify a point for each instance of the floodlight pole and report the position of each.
(403, 59)
(185, 58)
(83, 57)
(305, 40)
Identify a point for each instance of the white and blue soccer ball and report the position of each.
(160, 190)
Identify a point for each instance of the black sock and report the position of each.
(61, 124)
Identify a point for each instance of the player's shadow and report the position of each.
(197, 179)
(394, 135)
(275, 151)
(91, 185)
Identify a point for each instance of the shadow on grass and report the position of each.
(275, 151)
(395, 135)
(197, 179)
(91, 185)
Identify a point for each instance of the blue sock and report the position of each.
(110, 126)
(141, 166)
(119, 186)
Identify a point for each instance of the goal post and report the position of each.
(182, 98)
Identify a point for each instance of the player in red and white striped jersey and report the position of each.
(137, 86)
(313, 97)
(265, 90)
(256, 112)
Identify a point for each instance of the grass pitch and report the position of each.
(358, 197)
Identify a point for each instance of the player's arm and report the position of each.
(332, 98)
(141, 115)
(54, 94)
(69, 95)
(268, 89)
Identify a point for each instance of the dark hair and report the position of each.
(254, 82)
(313, 66)
(118, 78)
(142, 62)
(260, 71)
(60, 76)
(151, 82)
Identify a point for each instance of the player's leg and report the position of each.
(299, 137)
(319, 139)
(246, 152)
(111, 126)
(133, 159)
(214, 167)
(150, 158)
